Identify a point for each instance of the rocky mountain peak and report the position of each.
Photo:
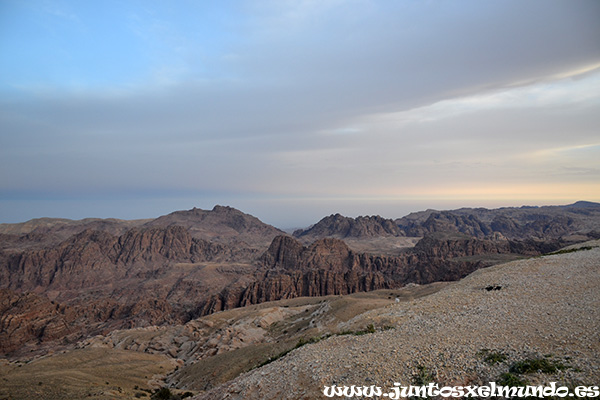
(225, 209)
(339, 226)
(222, 224)
(284, 252)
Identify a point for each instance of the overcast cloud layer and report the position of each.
(293, 110)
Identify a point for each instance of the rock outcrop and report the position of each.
(342, 227)
(328, 267)
(26, 317)
(221, 224)
(98, 281)
(91, 258)
(548, 222)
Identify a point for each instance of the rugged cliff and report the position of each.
(92, 258)
(328, 267)
(95, 281)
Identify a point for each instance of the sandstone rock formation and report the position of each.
(343, 227)
(92, 258)
(221, 224)
(548, 222)
(146, 276)
(328, 267)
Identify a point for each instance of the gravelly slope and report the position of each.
(544, 307)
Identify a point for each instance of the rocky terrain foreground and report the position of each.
(483, 328)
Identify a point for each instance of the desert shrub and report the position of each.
(422, 376)
(162, 394)
(368, 329)
(532, 365)
(566, 251)
(512, 380)
(492, 357)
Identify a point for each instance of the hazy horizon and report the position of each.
(295, 110)
(307, 223)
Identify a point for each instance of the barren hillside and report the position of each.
(472, 332)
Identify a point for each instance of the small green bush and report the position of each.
(162, 394)
(512, 380)
(492, 357)
(566, 251)
(422, 376)
(533, 365)
(368, 329)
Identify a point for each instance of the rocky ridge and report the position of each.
(94, 282)
(44, 232)
(342, 227)
(548, 222)
(92, 258)
(289, 269)
(222, 224)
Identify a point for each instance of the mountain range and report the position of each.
(63, 282)
(90, 276)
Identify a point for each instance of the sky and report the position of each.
(294, 110)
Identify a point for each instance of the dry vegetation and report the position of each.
(82, 373)
(103, 370)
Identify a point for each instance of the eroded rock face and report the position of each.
(75, 263)
(34, 320)
(440, 247)
(91, 258)
(28, 317)
(448, 222)
(284, 253)
(329, 267)
(98, 281)
(147, 245)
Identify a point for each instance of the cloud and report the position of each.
(317, 100)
